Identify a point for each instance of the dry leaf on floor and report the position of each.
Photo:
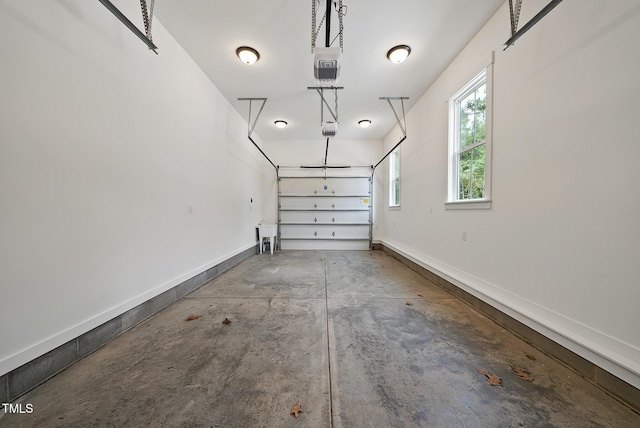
(492, 378)
(420, 295)
(531, 357)
(523, 374)
(416, 384)
(297, 409)
(409, 303)
(193, 317)
(226, 321)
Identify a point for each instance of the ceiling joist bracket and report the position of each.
(251, 127)
(323, 100)
(402, 124)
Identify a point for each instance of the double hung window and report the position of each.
(394, 176)
(470, 143)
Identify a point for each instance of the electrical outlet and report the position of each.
(464, 236)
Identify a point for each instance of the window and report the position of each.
(394, 178)
(470, 144)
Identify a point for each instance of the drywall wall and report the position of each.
(558, 249)
(122, 172)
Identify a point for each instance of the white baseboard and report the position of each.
(610, 353)
(38, 349)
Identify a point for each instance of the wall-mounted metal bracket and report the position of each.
(147, 18)
(515, 15)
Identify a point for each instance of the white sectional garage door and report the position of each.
(325, 213)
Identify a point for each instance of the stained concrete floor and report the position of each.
(331, 330)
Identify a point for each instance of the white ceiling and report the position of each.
(210, 31)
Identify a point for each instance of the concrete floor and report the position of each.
(331, 330)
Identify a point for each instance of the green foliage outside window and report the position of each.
(472, 130)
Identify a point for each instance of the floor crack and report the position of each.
(326, 312)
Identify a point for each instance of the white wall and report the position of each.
(104, 146)
(559, 247)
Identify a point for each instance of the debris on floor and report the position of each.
(288, 328)
(420, 295)
(492, 378)
(297, 409)
(226, 321)
(523, 374)
(531, 357)
(409, 303)
(193, 317)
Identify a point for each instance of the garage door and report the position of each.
(326, 213)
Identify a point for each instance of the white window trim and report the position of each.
(452, 202)
(391, 174)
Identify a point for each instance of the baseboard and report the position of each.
(530, 331)
(31, 374)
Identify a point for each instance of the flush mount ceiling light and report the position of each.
(399, 53)
(280, 124)
(247, 55)
(364, 123)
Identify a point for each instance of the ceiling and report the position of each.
(280, 30)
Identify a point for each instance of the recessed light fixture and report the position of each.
(280, 123)
(247, 55)
(364, 123)
(399, 53)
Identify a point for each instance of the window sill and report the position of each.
(478, 204)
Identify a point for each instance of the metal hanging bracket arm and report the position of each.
(147, 21)
(515, 15)
(401, 124)
(320, 90)
(514, 12)
(251, 127)
(325, 19)
(147, 17)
